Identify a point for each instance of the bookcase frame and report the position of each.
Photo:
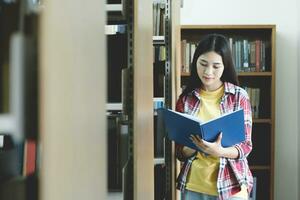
(171, 39)
(139, 98)
(260, 125)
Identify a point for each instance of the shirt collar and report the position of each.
(228, 88)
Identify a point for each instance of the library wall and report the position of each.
(259, 12)
(298, 50)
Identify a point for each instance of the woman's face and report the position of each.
(210, 68)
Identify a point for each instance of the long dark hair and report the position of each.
(219, 44)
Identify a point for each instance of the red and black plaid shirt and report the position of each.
(232, 172)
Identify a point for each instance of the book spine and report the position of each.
(183, 55)
(29, 157)
(187, 57)
(252, 56)
(257, 55)
(245, 56)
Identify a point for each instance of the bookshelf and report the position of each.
(144, 43)
(256, 73)
(19, 54)
(165, 35)
(160, 10)
(143, 89)
(18, 97)
(160, 58)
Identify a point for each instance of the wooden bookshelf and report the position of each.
(261, 159)
(166, 31)
(142, 38)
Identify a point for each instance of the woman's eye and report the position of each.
(216, 66)
(203, 64)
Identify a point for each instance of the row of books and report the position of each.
(158, 103)
(187, 52)
(159, 18)
(17, 159)
(254, 95)
(248, 56)
(159, 53)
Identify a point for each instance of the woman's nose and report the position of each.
(208, 70)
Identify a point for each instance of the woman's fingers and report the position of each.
(197, 141)
(192, 137)
(198, 137)
(210, 148)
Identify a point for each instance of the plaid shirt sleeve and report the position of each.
(245, 147)
(228, 182)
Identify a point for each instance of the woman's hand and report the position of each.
(211, 148)
(215, 148)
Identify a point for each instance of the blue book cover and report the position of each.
(180, 126)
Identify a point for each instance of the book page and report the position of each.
(222, 116)
(194, 118)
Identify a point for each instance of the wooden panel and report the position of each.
(176, 70)
(235, 26)
(72, 101)
(273, 52)
(143, 102)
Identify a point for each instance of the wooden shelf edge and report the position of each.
(114, 106)
(114, 7)
(158, 161)
(262, 121)
(185, 74)
(255, 74)
(158, 40)
(229, 26)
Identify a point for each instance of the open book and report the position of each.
(180, 126)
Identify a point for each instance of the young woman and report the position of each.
(212, 90)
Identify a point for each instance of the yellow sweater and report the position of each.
(204, 171)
